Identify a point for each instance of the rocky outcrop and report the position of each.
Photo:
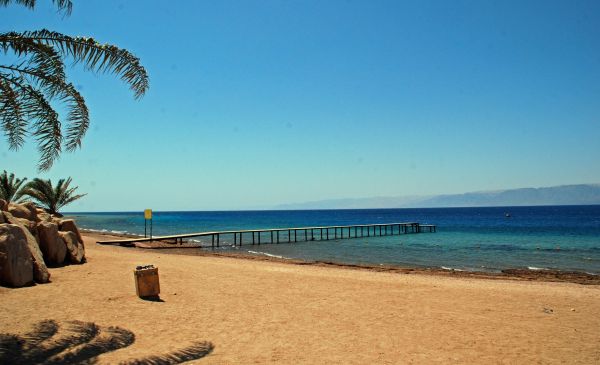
(68, 225)
(16, 267)
(52, 246)
(40, 270)
(26, 211)
(31, 239)
(75, 250)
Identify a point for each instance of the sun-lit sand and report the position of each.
(266, 312)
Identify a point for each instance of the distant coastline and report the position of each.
(580, 194)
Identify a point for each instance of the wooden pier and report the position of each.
(291, 235)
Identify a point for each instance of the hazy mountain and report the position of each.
(583, 194)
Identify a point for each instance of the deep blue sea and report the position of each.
(475, 239)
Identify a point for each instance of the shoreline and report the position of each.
(519, 274)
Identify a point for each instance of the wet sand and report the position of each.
(264, 311)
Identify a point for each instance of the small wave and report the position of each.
(104, 230)
(451, 268)
(533, 268)
(268, 254)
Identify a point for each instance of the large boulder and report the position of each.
(68, 225)
(16, 267)
(40, 270)
(3, 205)
(52, 246)
(27, 211)
(2, 219)
(75, 250)
(30, 225)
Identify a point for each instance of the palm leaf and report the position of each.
(10, 187)
(95, 56)
(12, 116)
(52, 198)
(62, 5)
(55, 86)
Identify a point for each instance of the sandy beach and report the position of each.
(253, 311)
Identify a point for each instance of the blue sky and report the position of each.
(252, 104)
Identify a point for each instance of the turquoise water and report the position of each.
(476, 239)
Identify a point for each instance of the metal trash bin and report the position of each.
(146, 281)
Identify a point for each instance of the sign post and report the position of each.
(147, 217)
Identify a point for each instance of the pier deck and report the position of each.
(290, 235)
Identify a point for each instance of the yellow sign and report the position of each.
(148, 214)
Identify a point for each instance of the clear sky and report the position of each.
(256, 103)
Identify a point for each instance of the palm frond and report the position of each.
(47, 126)
(95, 56)
(51, 197)
(12, 116)
(40, 191)
(44, 58)
(27, 88)
(10, 187)
(62, 5)
(78, 114)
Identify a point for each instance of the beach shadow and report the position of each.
(152, 299)
(81, 343)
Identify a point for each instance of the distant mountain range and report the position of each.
(583, 194)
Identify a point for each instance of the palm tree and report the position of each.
(10, 188)
(51, 198)
(38, 78)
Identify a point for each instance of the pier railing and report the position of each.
(291, 235)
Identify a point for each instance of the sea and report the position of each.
(486, 239)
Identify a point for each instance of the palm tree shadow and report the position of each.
(82, 343)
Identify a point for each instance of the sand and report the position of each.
(270, 312)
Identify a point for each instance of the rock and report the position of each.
(52, 246)
(68, 225)
(16, 268)
(26, 211)
(33, 209)
(44, 217)
(75, 251)
(40, 270)
(2, 219)
(31, 226)
(3, 205)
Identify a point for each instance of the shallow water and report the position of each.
(554, 237)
